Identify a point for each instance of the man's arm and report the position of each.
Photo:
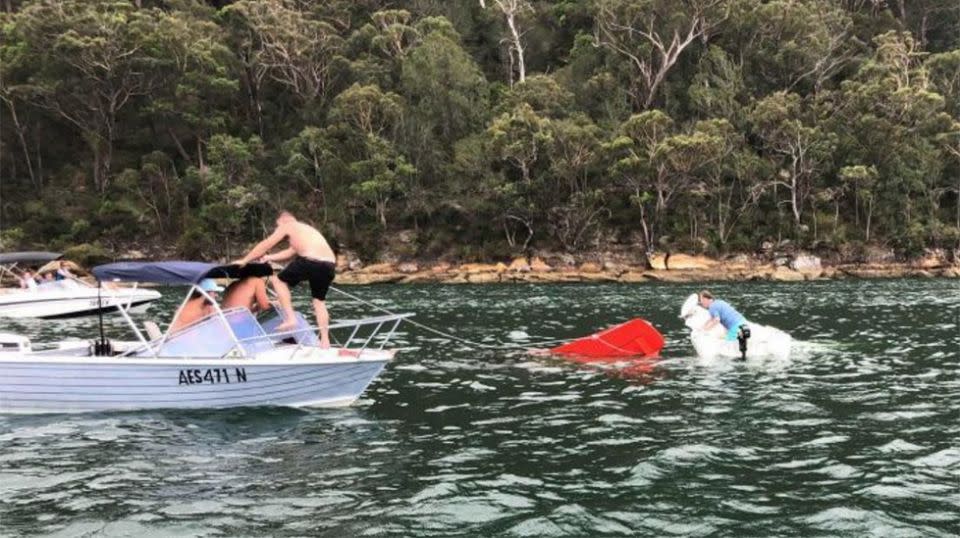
(281, 256)
(263, 246)
(711, 324)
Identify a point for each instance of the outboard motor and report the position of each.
(742, 336)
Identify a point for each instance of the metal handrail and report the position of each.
(377, 320)
(343, 323)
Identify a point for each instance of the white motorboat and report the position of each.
(227, 359)
(764, 341)
(65, 298)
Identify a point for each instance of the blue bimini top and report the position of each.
(176, 272)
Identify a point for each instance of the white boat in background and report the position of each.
(227, 359)
(764, 341)
(65, 298)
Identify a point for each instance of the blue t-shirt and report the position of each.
(729, 317)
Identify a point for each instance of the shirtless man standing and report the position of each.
(314, 261)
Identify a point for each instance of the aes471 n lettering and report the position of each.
(212, 376)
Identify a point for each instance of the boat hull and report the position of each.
(764, 343)
(82, 302)
(300, 377)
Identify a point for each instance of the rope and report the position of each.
(498, 346)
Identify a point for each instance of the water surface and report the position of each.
(856, 435)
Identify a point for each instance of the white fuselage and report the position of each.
(764, 341)
(69, 298)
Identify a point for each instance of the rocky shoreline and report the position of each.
(675, 268)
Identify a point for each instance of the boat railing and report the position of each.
(377, 330)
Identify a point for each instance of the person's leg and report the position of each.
(286, 304)
(322, 275)
(323, 322)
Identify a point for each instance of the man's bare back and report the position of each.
(306, 241)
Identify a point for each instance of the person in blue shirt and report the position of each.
(721, 312)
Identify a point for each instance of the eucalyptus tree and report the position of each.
(890, 117)
(792, 139)
(862, 180)
(639, 166)
(730, 173)
(195, 100)
(513, 12)
(288, 45)
(379, 172)
(793, 45)
(717, 89)
(446, 99)
(89, 64)
(231, 193)
(519, 140)
(944, 72)
(650, 35)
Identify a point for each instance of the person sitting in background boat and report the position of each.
(721, 312)
(27, 281)
(250, 293)
(63, 273)
(198, 306)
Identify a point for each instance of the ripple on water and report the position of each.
(855, 436)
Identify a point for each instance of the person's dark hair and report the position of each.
(706, 294)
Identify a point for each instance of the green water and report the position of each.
(856, 435)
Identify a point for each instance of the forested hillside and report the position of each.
(481, 129)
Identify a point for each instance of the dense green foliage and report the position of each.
(481, 129)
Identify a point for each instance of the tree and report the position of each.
(290, 47)
(380, 176)
(447, 99)
(520, 139)
(888, 116)
(799, 148)
(797, 46)
(230, 190)
(639, 166)
(191, 103)
(92, 63)
(368, 109)
(651, 35)
(512, 10)
(729, 170)
(863, 180)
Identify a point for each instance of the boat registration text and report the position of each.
(212, 376)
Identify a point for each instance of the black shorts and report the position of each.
(319, 274)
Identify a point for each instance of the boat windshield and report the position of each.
(209, 337)
(56, 285)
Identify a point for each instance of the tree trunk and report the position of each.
(23, 144)
(517, 44)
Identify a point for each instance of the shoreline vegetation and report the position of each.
(680, 268)
(468, 131)
(627, 265)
